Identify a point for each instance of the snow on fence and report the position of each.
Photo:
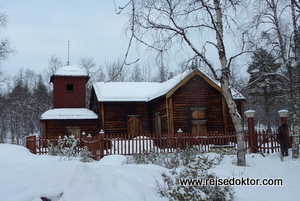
(101, 145)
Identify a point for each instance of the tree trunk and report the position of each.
(294, 88)
(225, 85)
(238, 124)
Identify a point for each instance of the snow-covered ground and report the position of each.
(28, 177)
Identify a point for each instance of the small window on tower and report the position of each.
(70, 87)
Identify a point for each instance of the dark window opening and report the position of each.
(70, 87)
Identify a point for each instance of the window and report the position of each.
(73, 130)
(198, 113)
(70, 87)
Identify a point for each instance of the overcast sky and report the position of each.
(38, 29)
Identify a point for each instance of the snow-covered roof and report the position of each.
(143, 91)
(69, 113)
(70, 71)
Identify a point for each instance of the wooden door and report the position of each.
(134, 126)
(199, 128)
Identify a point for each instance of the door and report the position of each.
(74, 130)
(199, 128)
(198, 116)
(134, 126)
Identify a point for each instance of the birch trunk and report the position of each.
(294, 88)
(225, 85)
(295, 145)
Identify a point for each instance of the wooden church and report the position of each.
(191, 102)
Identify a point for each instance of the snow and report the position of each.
(143, 91)
(135, 91)
(70, 71)
(125, 91)
(69, 113)
(25, 176)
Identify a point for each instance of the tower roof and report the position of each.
(70, 71)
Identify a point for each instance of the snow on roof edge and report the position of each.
(68, 113)
(70, 71)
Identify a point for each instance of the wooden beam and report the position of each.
(102, 116)
(170, 117)
(44, 128)
(224, 107)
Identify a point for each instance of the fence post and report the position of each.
(252, 136)
(101, 141)
(31, 143)
(283, 116)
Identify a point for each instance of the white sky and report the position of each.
(38, 29)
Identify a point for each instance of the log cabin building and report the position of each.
(69, 115)
(191, 102)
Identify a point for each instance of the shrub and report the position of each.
(69, 147)
(174, 190)
(85, 155)
(190, 163)
(171, 160)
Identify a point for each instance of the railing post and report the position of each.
(283, 116)
(252, 136)
(31, 143)
(180, 143)
(101, 145)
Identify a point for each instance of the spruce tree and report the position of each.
(266, 86)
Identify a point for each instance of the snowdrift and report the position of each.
(28, 177)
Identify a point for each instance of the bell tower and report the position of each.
(69, 89)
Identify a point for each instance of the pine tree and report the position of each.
(266, 86)
(42, 101)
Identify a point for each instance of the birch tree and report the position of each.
(279, 20)
(193, 25)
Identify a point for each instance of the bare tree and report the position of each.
(5, 49)
(147, 70)
(54, 64)
(136, 74)
(116, 72)
(92, 70)
(190, 25)
(282, 36)
(89, 65)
